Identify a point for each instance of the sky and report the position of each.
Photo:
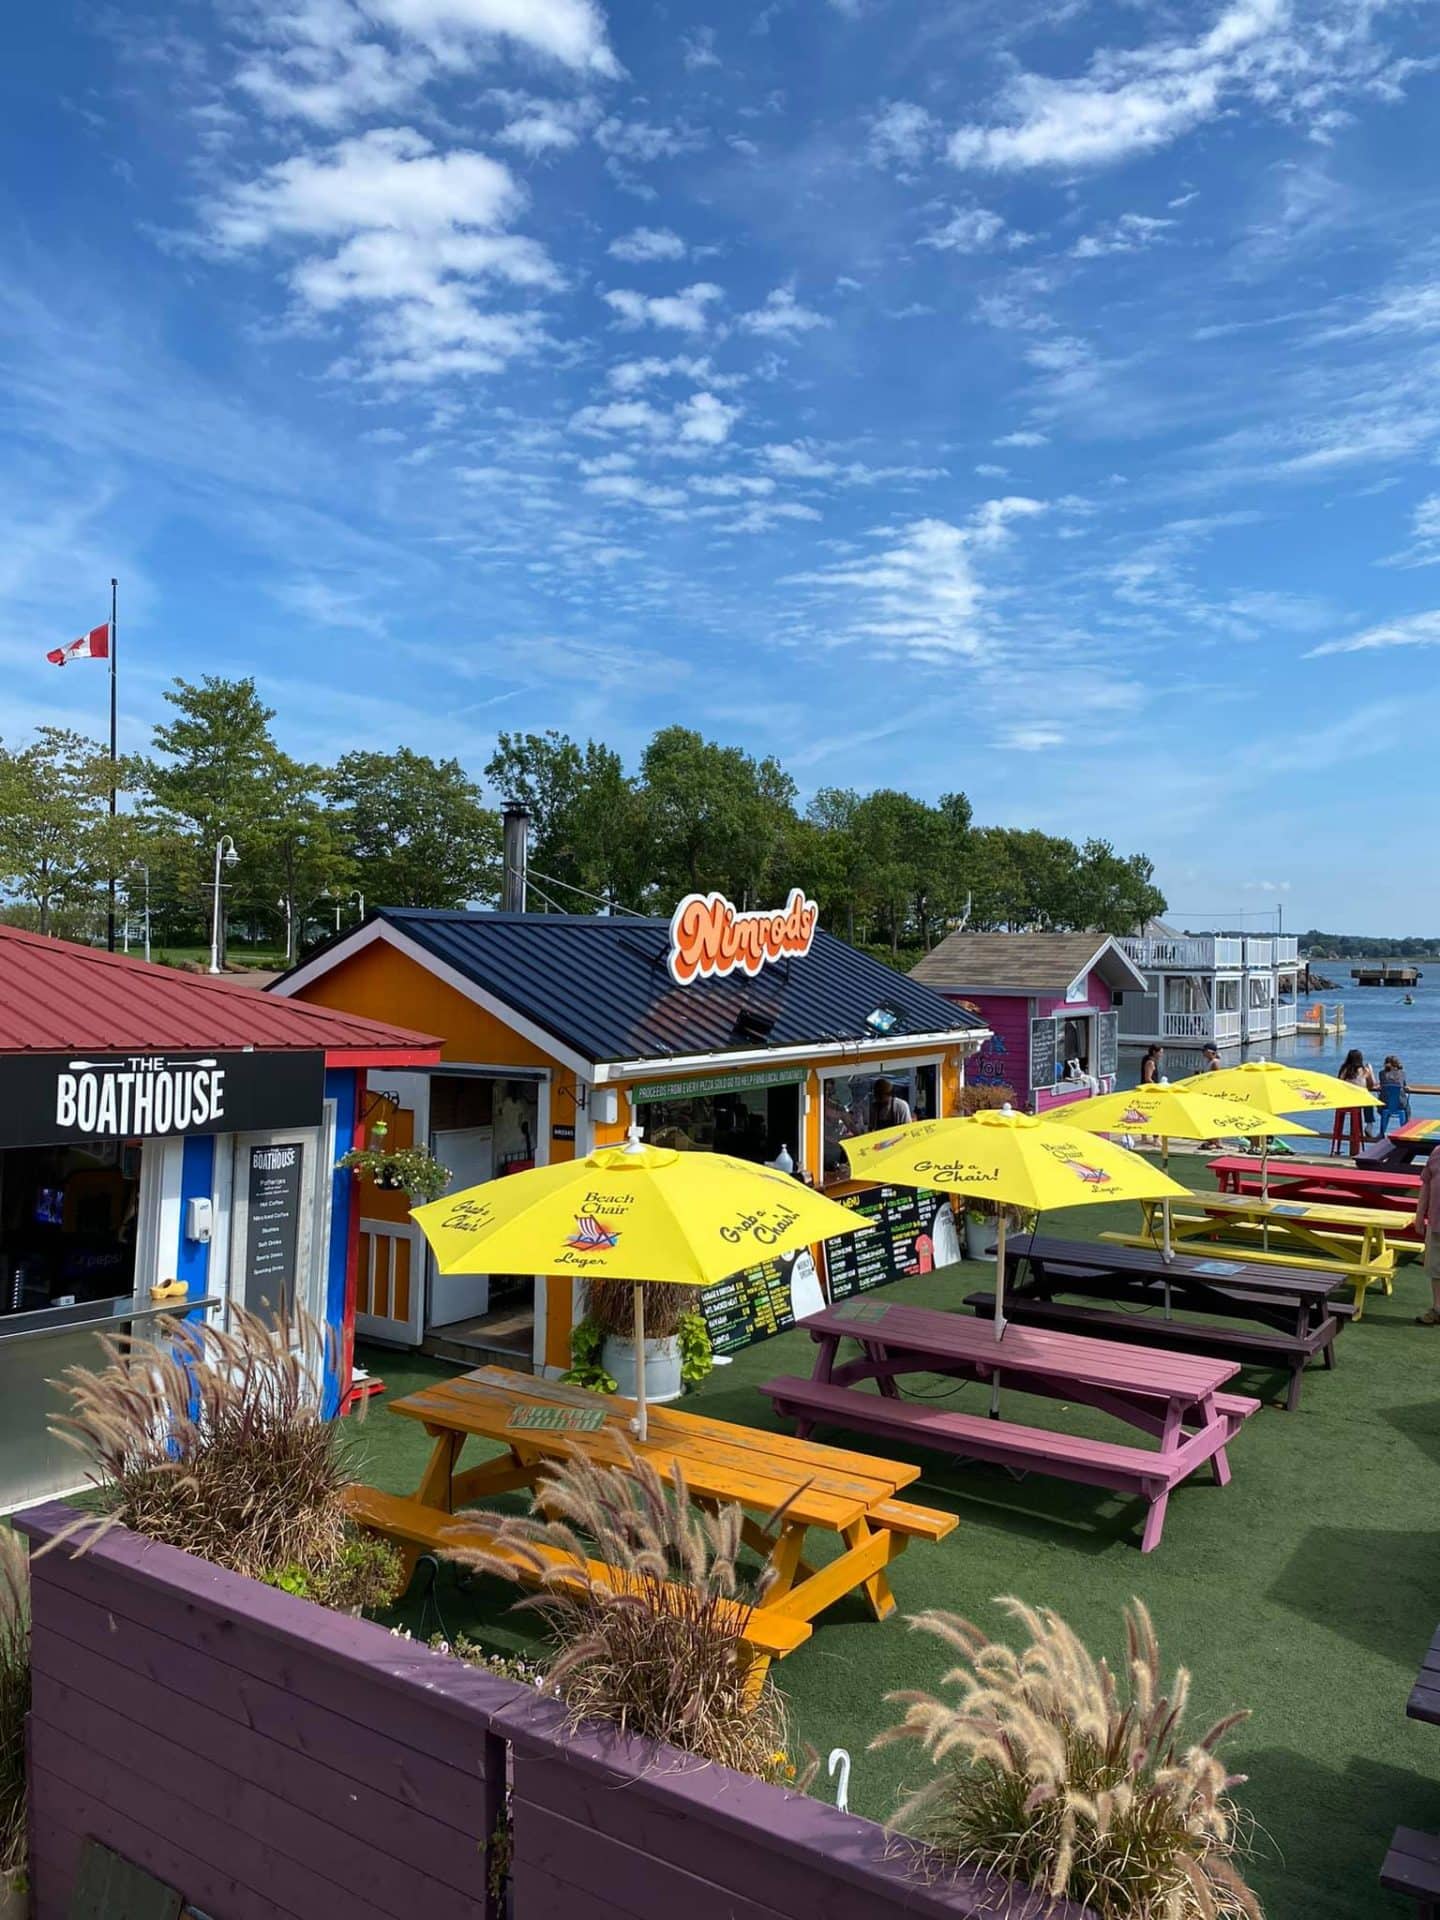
(1033, 397)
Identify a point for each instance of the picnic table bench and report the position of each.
(1334, 1181)
(1173, 1397)
(1412, 1866)
(810, 1487)
(1357, 1242)
(1292, 1313)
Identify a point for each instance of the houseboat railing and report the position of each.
(1206, 952)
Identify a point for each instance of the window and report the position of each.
(854, 1105)
(1075, 1039)
(752, 1123)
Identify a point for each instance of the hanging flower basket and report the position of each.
(412, 1170)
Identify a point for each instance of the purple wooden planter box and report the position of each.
(269, 1758)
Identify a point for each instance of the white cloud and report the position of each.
(806, 460)
(971, 230)
(989, 471)
(631, 491)
(799, 462)
(1025, 437)
(628, 376)
(920, 595)
(1410, 630)
(570, 32)
(622, 416)
(638, 140)
(415, 235)
(536, 125)
(733, 486)
(1129, 234)
(648, 243)
(781, 316)
(698, 49)
(684, 310)
(902, 135)
(1135, 101)
(1032, 739)
(704, 420)
(1412, 309)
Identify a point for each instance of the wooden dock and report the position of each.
(1386, 976)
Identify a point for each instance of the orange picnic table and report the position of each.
(814, 1489)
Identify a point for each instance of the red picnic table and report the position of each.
(1322, 1182)
(1173, 1397)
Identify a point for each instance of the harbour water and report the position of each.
(1377, 1021)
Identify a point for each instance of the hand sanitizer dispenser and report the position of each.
(199, 1219)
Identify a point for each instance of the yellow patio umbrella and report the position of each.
(633, 1213)
(1014, 1159)
(1185, 1111)
(1273, 1087)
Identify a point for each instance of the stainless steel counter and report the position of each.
(35, 1349)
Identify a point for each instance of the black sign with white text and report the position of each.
(272, 1225)
(47, 1099)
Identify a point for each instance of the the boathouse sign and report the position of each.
(52, 1098)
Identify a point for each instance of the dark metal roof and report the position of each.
(56, 997)
(601, 986)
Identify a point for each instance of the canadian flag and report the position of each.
(94, 645)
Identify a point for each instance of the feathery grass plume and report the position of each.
(1053, 1770)
(611, 1305)
(653, 1644)
(14, 1697)
(213, 1440)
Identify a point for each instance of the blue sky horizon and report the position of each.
(1038, 399)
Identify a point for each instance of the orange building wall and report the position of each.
(383, 984)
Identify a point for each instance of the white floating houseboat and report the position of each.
(1210, 987)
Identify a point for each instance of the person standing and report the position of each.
(887, 1109)
(1150, 1066)
(1427, 1221)
(1355, 1072)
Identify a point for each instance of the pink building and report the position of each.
(1049, 1000)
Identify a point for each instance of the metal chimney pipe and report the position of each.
(516, 824)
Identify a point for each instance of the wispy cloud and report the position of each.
(648, 243)
(1410, 630)
(685, 311)
(781, 316)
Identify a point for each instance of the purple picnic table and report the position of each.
(1174, 1398)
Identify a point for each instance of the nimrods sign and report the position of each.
(47, 1098)
(709, 937)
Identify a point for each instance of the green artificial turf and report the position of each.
(1307, 1590)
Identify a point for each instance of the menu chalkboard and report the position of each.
(273, 1225)
(1108, 1046)
(913, 1232)
(758, 1301)
(1042, 1053)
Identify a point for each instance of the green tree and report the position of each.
(713, 817)
(417, 829)
(835, 869)
(1115, 893)
(57, 842)
(586, 832)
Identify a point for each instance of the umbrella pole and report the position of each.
(640, 1424)
(999, 1307)
(1167, 1252)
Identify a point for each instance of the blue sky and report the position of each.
(1038, 398)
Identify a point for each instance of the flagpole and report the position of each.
(114, 775)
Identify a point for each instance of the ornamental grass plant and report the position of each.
(14, 1699)
(214, 1441)
(1054, 1771)
(656, 1645)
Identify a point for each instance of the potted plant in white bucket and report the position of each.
(677, 1345)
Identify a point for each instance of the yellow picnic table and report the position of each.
(812, 1487)
(1359, 1243)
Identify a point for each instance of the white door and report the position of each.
(469, 1154)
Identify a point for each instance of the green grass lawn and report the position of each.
(1307, 1590)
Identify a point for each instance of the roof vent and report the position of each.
(753, 1023)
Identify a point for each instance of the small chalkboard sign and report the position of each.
(1108, 1044)
(109, 1888)
(1042, 1053)
(557, 1419)
(1217, 1269)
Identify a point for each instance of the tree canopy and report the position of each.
(401, 828)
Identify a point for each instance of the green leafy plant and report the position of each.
(14, 1700)
(1053, 1770)
(412, 1170)
(587, 1338)
(697, 1355)
(655, 1644)
(214, 1441)
(367, 1572)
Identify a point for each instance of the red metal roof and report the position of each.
(57, 998)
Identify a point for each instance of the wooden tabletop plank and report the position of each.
(1112, 1364)
(745, 1448)
(1148, 1264)
(1336, 1173)
(761, 1487)
(1279, 1211)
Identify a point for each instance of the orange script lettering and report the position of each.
(710, 937)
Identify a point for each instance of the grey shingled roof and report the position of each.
(601, 986)
(1024, 963)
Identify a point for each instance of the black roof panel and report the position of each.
(601, 986)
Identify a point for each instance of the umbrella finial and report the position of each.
(635, 1138)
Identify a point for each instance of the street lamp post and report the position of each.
(358, 897)
(139, 866)
(224, 851)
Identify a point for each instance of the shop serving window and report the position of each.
(752, 1122)
(856, 1103)
(68, 1218)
